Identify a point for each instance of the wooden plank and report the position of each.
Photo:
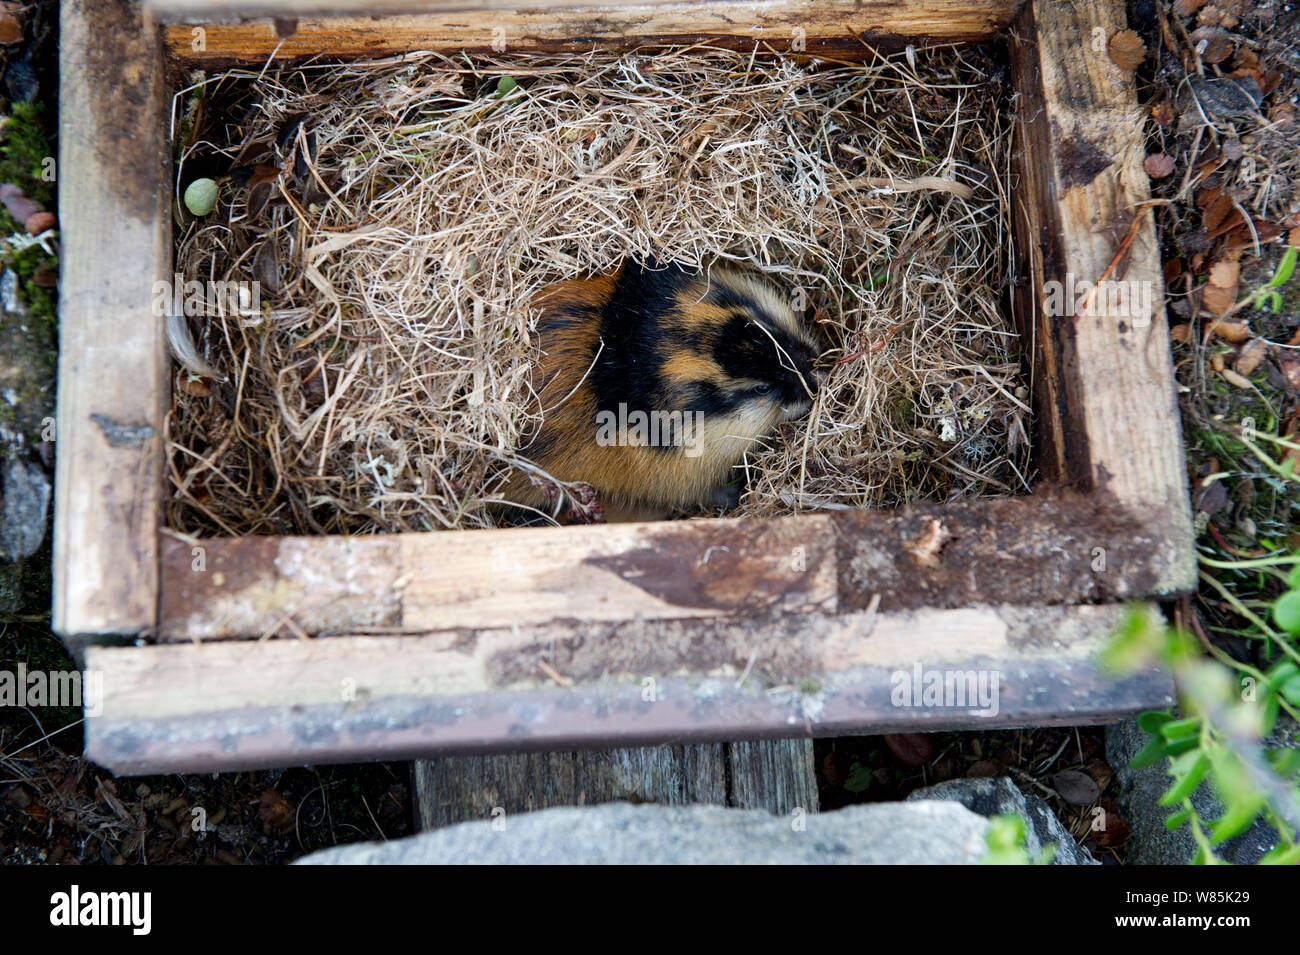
(241, 704)
(303, 30)
(1045, 549)
(776, 775)
(115, 234)
(1105, 378)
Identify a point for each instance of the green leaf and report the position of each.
(1192, 773)
(505, 85)
(1237, 819)
(1178, 819)
(859, 778)
(1287, 610)
(1152, 720)
(1291, 690)
(201, 196)
(1284, 268)
(1181, 729)
(1149, 755)
(1282, 855)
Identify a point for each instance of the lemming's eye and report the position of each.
(762, 389)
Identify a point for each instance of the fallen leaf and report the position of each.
(1235, 332)
(1181, 333)
(1234, 379)
(912, 749)
(195, 386)
(1126, 49)
(1218, 300)
(1076, 788)
(984, 769)
(1213, 15)
(20, 207)
(11, 29)
(1114, 831)
(1100, 772)
(1293, 237)
(1185, 8)
(1215, 43)
(39, 222)
(1254, 352)
(1158, 165)
(1225, 273)
(274, 810)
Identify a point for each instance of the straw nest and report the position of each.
(399, 215)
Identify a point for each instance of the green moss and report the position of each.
(24, 151)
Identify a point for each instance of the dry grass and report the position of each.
(386, 387)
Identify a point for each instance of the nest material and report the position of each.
(399, 215)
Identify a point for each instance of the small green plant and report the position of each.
(1006, 840)
(1227, 708)
(1269, 294)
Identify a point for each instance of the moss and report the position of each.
(25, 149)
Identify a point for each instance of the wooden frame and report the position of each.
(535, 638)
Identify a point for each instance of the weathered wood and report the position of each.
(303, 29)
(1104, 376)
(1049, 550)
(114, 228)
(236, 704)
(776, 775)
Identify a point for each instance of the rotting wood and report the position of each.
(206, 706)
(1104, 379)
(115, 235)
(1045, 549)
(775, 775)
(297, 30)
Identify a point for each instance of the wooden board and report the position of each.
(775, 775)
(1040, 550)
(569, 685)
(114, 230)
(299, 29)
(1104, 380)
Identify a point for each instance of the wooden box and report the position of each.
(409, 645)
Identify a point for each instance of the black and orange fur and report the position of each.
(663, 338)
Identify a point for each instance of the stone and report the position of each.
(26, 506)
(995, 797)
(1149, 842)
(918, 832)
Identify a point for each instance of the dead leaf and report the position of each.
(1215, 43)
(11, 28)
(1126, 49)
(912, 749)
(1218, 300)
(1076, 788)
(20, 207)
(1181, 333)
(275, 811)
(1225, 273)
(1185, 8)
(1158, 165)
(1235, 332)
(1254, 352)
(1293, 237)
(1213, 15)
(40, 222)
(984, 769)
(195, 386)
(1234, 379)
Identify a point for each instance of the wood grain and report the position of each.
(114, 229)
(1104, 377)
(235, 704)
(1055, 549)
(300, 28)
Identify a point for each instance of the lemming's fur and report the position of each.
(722, 350)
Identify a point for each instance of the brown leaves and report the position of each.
(1076, 788)
(274, 810)
(912, 749)
(1185, 8)
(1215, 43)
(1158, 165)
(1126, 50)
(11, 28)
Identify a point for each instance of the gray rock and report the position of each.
(1150, 843)
(620, 833)
(26, 504)
(995, 797)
